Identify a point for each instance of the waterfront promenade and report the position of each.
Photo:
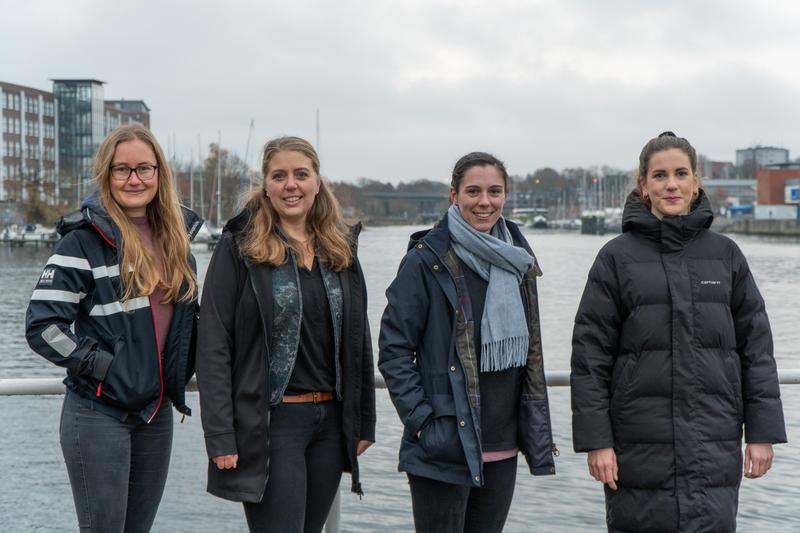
(35, 494)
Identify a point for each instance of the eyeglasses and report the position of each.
(123, 172)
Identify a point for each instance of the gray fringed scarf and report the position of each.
(504, 331)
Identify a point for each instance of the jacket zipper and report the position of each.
(160, 366)
(103, 235)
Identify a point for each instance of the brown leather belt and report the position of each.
(308, 397)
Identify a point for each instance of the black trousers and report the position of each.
(306, 461)
(448, 508)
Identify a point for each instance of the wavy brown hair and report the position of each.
(139, 270)
(262, 242)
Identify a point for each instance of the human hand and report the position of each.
(757, 459)
(603, 466)
(225, 462)
(362, 446)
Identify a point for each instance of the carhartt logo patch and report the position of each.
(710, 282)
(48, 274)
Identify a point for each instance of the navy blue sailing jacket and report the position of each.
(77, 320)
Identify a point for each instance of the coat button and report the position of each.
(419, 247)
(453, 368)
(477, 479)
(436, 267)
(462, 423)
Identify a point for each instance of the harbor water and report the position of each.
(35, 494)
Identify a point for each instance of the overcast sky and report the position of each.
(406, 87)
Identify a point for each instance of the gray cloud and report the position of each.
(404, 88)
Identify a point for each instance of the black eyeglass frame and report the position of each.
(131, 170)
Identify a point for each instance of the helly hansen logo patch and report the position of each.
(48, 274)
(710, 282)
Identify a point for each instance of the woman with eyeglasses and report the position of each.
(116, 306)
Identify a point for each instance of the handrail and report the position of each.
(46, 386)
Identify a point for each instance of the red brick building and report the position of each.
(772, 182)
(28, 143)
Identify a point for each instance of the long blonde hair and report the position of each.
(138, 269)
(262, 243)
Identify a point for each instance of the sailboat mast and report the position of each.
(191, 179)
(219, 181)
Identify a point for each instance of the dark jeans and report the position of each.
(441, 507)
(306, 461)
(117, 469)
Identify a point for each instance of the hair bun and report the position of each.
(667, 134)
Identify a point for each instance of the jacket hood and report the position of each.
(238, 223)
(673, 232)
(438, 237)
(92, 213)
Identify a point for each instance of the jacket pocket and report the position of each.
(621, 379)
(132, 380)
(440, 440)
(733, 374)
(536, 435)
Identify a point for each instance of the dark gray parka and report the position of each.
(233, 362)
(672, 354)
(428, 361)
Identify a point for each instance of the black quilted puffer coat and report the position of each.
(672, 359)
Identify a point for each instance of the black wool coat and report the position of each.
(233, 367)
(672, 356)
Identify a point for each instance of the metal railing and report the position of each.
(50, 386)
(46, 386)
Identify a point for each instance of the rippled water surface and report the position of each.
(35, 494)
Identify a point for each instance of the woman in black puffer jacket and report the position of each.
(672, 356)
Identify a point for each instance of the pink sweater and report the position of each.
(162, 313)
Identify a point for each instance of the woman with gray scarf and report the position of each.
(461, 353)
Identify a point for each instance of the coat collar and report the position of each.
(92, 213)
(438, 237)
(239, 222)
(672, 232)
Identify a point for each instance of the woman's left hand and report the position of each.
(362, 446)
(757, 459)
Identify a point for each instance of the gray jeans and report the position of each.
(117, 469)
